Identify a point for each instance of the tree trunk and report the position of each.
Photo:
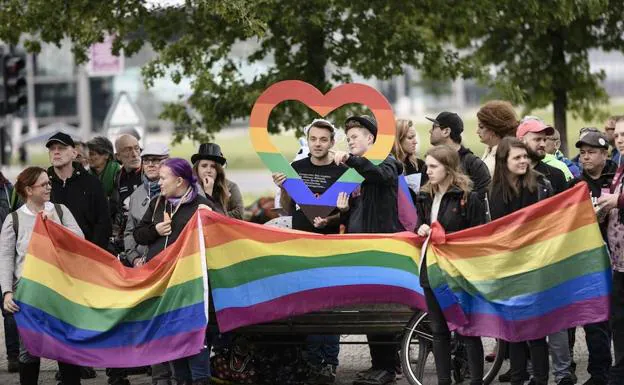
(560, 93)
(560, 106)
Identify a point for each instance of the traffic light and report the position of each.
(14, 82)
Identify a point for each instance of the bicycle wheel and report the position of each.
(417, 362)
(416, 346)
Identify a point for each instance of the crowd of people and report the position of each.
(135, 201)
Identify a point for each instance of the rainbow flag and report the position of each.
(532, 273)
(79, 305)
(260, 274)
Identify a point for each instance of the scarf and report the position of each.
(187, 197)
(152, 188)
(107, 177)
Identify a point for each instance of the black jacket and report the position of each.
(499, 208)
(456, 213)
(374, 207)
(603, 182)
(596, 186)
(83, 195)
(555, 176)
(145, 233)
(476, 170)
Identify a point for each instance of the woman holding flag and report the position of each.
(33, 186)
(516, 185)
(162, 224)
(448, 199)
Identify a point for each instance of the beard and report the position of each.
(534, 156)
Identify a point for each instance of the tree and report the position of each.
(319, 41)
(538, 51)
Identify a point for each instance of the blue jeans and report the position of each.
(196, 367)
(323, 349)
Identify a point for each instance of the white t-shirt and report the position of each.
(435, 207)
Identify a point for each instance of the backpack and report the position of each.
(15, 217)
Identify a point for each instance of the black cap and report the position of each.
(61, 138)
(451, 120)
(209, 151)
(593, 139)
(365, 121)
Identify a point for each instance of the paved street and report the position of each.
(353, 358)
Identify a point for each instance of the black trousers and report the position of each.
(442, 345)
(518, 352)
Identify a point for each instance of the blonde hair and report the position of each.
(449, 158)
(402, 128)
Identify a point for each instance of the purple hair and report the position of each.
(181, 168)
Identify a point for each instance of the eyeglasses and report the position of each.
(43, 185)
(153, 161)
(130, 150)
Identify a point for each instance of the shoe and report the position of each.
(506, 377)
(376, 377)
(363, 373)
(593, 381)
(87, 373)
(12, 365)
(566, 381)
(398, 370)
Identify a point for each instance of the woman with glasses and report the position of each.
(33, 186)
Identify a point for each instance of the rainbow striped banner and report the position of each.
(532, 273)
(517, 278)
(79, 305)
(259, 274)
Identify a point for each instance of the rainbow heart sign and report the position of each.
(311, 205)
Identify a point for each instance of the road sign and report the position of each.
(124, 117)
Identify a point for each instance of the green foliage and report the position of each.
(537, 48)
(322, 42)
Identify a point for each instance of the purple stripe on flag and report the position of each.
(576, 314)
(153, 352)
(314, 300)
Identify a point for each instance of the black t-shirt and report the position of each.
(318, 179)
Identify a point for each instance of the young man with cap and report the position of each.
(319, 172)
(81, 193)
(447, 129)
(533, 133)
(372, 208)
(598, 172)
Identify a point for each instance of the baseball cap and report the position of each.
(593, 139)
(365, 121)
(61, 138)
(155, 149)
(533, 125)
(450, 120)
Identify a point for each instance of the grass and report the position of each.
(238, 149)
